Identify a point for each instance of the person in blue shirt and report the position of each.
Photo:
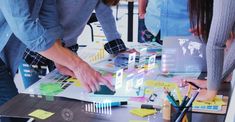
(34, 24)
(144, 34)
(167, 17)
(73, 16)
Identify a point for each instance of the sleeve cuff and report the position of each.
(115, 46)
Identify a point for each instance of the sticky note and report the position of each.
(162, 84)
(76, 81)
(138, 99)
(41, 114)
(50, 89)
(142, 112)
(217, 101)
(148, 91)
(104, 90)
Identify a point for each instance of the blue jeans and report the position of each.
(7, 86)
(145, 36)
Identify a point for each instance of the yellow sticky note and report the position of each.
(148, 91)
(162, 84)
(76, 81)
(218, 101)
(138, 121)
(41, 114)
(149, 83)
(142, 112)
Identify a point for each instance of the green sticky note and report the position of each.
(50, 89)
(41, 114)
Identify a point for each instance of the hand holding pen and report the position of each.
(195, 83)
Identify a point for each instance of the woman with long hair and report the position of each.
(214, 20)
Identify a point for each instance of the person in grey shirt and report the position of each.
(73, 16)
(217, 29)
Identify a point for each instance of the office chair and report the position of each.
(92, 19)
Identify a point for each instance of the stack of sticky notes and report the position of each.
(41, 114)
(214, 105)
(142, 112)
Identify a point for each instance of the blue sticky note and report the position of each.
(104, 90)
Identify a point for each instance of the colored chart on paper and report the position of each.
(75, 81)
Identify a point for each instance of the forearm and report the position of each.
(62, 56)
(222, 22)
(72, 65)
(142, 7)
(229, 62)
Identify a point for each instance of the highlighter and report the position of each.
(111, 104)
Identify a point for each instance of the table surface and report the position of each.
(23, 104)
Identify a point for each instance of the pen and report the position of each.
(187, 105)
(184, 102)
(186, 97)
(189, 90)
(111, 104)
(193, 84)
(170, 98)
(146, 106)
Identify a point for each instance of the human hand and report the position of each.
(200, 83)
(229, 41)
(64, 70)
(121, 59)
(131, 51)
(69, 62)
(141, 16)
(206, 95)
(90, 78)
(195, 31)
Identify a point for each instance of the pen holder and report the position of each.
(176, 111)
(171, 113)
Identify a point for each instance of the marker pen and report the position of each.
(146, 106)
(111, 104)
